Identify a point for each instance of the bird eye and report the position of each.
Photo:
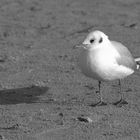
(101, 40)
(92, 40)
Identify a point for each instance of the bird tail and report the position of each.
(137, 60)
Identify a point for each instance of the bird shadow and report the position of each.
(21, 95)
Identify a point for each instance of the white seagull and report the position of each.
(106, 60)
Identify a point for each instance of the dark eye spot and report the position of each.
(101, 40)
(92, 40)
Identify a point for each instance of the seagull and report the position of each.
(106, 60)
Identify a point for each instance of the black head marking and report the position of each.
(101, 40)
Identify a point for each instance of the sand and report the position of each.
(43, 94)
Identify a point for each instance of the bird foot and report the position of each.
(100, 103)
(120, 103)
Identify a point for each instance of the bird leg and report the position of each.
(122, 100)
(101, 102)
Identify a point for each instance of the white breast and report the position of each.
(101, 64)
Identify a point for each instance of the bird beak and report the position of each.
(85, 46)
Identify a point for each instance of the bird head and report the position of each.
(95, 39)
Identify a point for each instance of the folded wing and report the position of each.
(126, 59)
